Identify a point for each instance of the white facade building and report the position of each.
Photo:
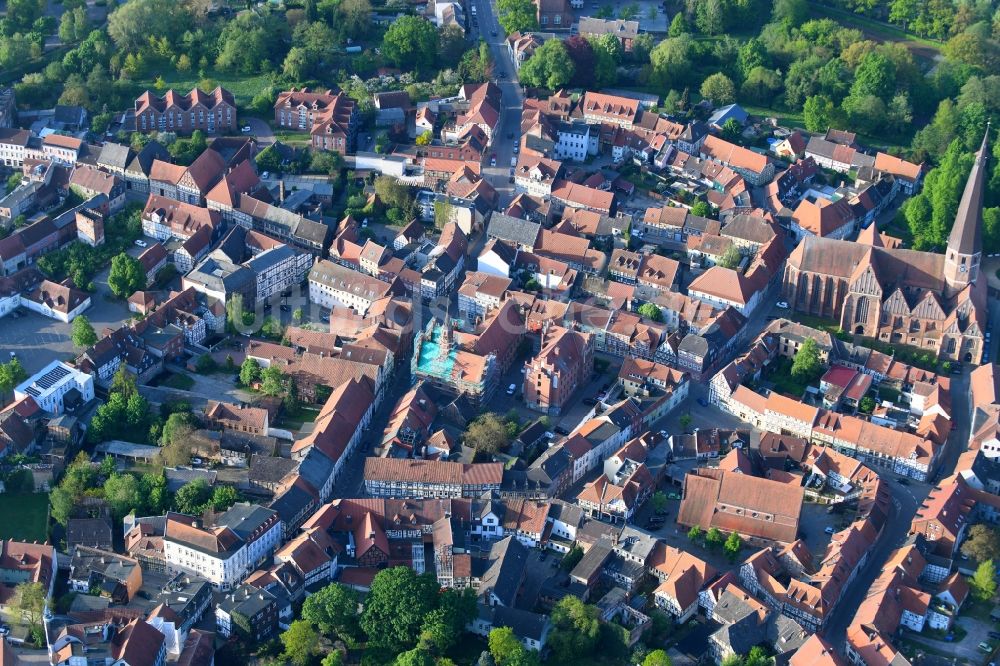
(50, 385)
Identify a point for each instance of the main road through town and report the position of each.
(508, 132)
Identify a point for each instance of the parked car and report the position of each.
(511, 389)
(782, 304)
(703, 402)
(493, 160)
(903, 481)
(265, 175)
(995, 634)
(830, 530)
(13, 354)
(985, 647)
(245, 129)
(141, 243)
(197, 462)
(562, 431)
(589, 402)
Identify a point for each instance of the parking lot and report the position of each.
(38, 340)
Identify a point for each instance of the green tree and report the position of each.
(731, 129)
(272, 380)
(658, 501)
(657, 658)
(576, 628)
(732, 546)
(296, 65)
(875, 75)
(418, 656)
(14, 181)
(443, 625)
(549, 67)
(806, 365)
(714, 538)
(817, 113)
(517, 15)
(678, 26)
(867, 405)
(133, 23)
(396, 605)
(758, 657)
(731, 258)
(507, 650)
(334, 609)
(719, 89)
(301, 643)
(762, 85)
(792, 13)
(701, 208)
(487, 434)
(671, 62)
(651, 311)
(685, 421)
(269, 159)
(411, 42)
(28, 602)
(984, 583)
(249, 371)
(931, 213)
(122, 493)
(571, 559)
(192, 497)
(126, 276)
(982, 543)
(83, 333)
(752, 54)
(223, 497)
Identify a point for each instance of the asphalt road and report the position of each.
(260, 130)
(512, 97)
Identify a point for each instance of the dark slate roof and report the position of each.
(244, 519)
(524, 624)
(965, 234)
(290, 503)
(115, 155)
(513, 230)
(508, 558)
(316, 469)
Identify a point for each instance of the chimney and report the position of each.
(281, 190)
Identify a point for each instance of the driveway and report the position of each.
(260, 130)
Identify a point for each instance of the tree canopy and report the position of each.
(411, 42)
(550, 66)
(806, 365)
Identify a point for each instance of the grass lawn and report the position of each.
(179, 382)
(781, 377)
(242, 86)
(294, 419)
(25, 517)
(920, 45)
(819, 323)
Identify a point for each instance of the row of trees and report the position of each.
(714, 539)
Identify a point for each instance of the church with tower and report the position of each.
(936, 302)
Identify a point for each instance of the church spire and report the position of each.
(965, 233)
(961, 266)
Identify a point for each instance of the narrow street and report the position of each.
(508, 132)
